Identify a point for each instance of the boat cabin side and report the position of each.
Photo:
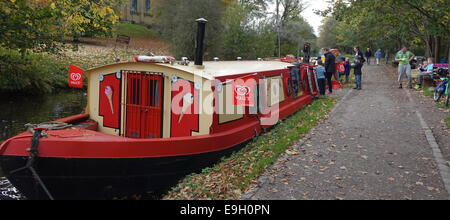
(135, 100)
(145, 100)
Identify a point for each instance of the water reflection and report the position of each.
(8, 191)
(16, 111)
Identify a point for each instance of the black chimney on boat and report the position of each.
(200, 41)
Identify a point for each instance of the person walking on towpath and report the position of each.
(386, 57)
(330, 67)
(404, 58)
(368, 55)
(378, 55)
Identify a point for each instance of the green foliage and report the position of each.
(27, 26)
(243, 37)
(41, 25)
(31, 73)
(447, 122)
(388, 24)
(236, 28)
(86, 18)
(175, 20)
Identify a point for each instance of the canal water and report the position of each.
(18, 110)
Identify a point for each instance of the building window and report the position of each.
(134, 5)
(147, 5)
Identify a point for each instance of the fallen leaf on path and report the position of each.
(292, 152)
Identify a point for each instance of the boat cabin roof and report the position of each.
(214, 69)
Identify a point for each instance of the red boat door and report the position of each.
(144, 105)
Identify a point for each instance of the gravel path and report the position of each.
(372, 146)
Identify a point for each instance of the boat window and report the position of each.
(296, 82)
(274, 90)
(289, 87)
(227, 111)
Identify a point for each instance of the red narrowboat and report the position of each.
(148, 124)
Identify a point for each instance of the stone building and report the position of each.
(137, 11)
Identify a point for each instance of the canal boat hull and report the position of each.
(95, 178)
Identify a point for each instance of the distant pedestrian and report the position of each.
(386, 57)
(368, 55)
(330, 68)
(378, 55)
(347, 70)
(358, 72)
(320, 71)
(404, 58)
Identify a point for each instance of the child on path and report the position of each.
(358, 72)
(347, 70)
(320, 71)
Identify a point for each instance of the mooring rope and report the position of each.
(47, 126)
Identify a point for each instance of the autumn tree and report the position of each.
(419, 23)
(41, 25)
(175, 20)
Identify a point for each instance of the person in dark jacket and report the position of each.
(359, 54)
(330, 68)
(368, 55)
(358, 72)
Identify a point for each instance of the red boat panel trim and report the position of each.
(109, 100)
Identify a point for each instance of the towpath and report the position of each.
(376, 144)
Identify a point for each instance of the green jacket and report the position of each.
(406, 56)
